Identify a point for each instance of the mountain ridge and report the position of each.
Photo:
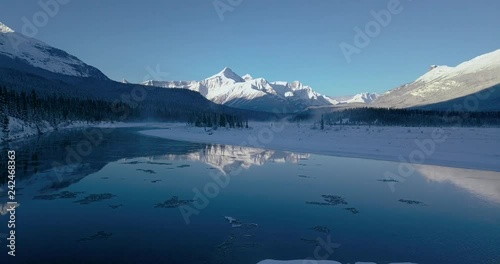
(39, 54)
(439, 85)
(247, 92)
(446, 83)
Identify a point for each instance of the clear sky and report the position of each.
(277, 39)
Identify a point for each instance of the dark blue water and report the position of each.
(144, 206)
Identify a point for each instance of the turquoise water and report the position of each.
(135, 199)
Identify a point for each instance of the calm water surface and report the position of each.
(136, 199)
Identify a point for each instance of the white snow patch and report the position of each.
(5, 29)
(230, 219)
(270, 261)
(305, 261)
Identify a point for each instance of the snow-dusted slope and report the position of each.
(443, 83)
(227, 87)
(19, 48)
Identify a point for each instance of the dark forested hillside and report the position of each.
(33, 108)
(38, 95)
(89, 88)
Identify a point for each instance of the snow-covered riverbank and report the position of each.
(19, 129)
(468, 147)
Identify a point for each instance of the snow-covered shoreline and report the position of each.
(467, 147)
(20, 130)
(464, 147)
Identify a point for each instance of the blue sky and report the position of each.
(279, 40)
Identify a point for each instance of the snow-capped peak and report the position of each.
(297, 85)
(227, 73)
(5, 29)
(247, 77)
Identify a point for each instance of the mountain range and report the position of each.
(27, 63)
(228, 88)
(439, 88)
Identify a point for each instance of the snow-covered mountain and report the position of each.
(445, 83)
(361, 98)
(228, 88)
(18, 51)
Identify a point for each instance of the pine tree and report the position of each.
(222, 120)
(209, 121)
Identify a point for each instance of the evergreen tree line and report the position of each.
(215, 120)
(55, 110)
(404, 117)
(59, 110)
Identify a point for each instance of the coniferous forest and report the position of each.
(58, 111)
(402, 117)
